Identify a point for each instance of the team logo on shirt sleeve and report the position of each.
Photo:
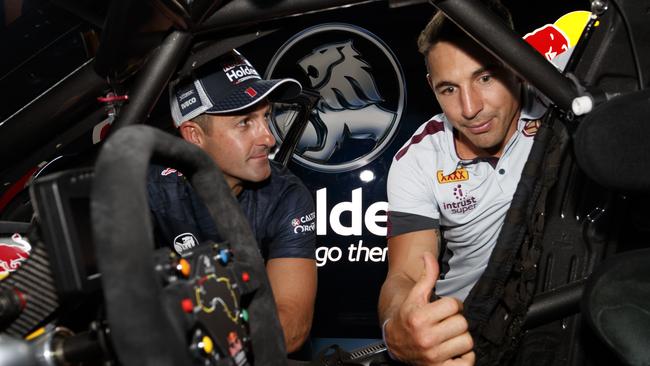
(458, 175)
(531, 127)
(304, 224)
(169, 171)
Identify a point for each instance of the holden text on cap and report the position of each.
(240, 72)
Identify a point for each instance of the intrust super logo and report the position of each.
(362, 95)
(462, 203)
(458, 175)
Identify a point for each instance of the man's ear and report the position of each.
(429, 81)
(192, 132)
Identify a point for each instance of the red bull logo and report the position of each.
(12, 253)
(549, 40)
(556, 41)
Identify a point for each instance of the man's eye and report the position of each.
(447, 90)
(485, 78)
(242, 123)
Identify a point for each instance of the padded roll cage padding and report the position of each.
(151, 82)
(619, 124)
(122, 227)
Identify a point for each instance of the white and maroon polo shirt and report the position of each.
(430, 187)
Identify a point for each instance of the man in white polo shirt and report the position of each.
(455, 177)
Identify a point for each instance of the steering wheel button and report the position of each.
(206, 345)
(187, 306)
(184, 267)
(245, 277)
(244, 315)
(224, 256)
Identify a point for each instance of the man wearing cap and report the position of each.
(223, 109)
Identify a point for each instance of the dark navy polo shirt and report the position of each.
(280, 211)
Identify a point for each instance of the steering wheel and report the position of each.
(147, 324)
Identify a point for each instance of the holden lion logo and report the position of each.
(362, 95)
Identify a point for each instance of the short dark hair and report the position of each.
(203, 120)
(440, 28)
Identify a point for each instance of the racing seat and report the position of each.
(616, 303)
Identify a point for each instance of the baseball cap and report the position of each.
(229, 84)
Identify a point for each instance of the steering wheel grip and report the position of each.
(141, 330)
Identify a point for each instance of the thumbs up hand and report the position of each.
(429, 333)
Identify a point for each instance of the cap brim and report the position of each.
(275, 90)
